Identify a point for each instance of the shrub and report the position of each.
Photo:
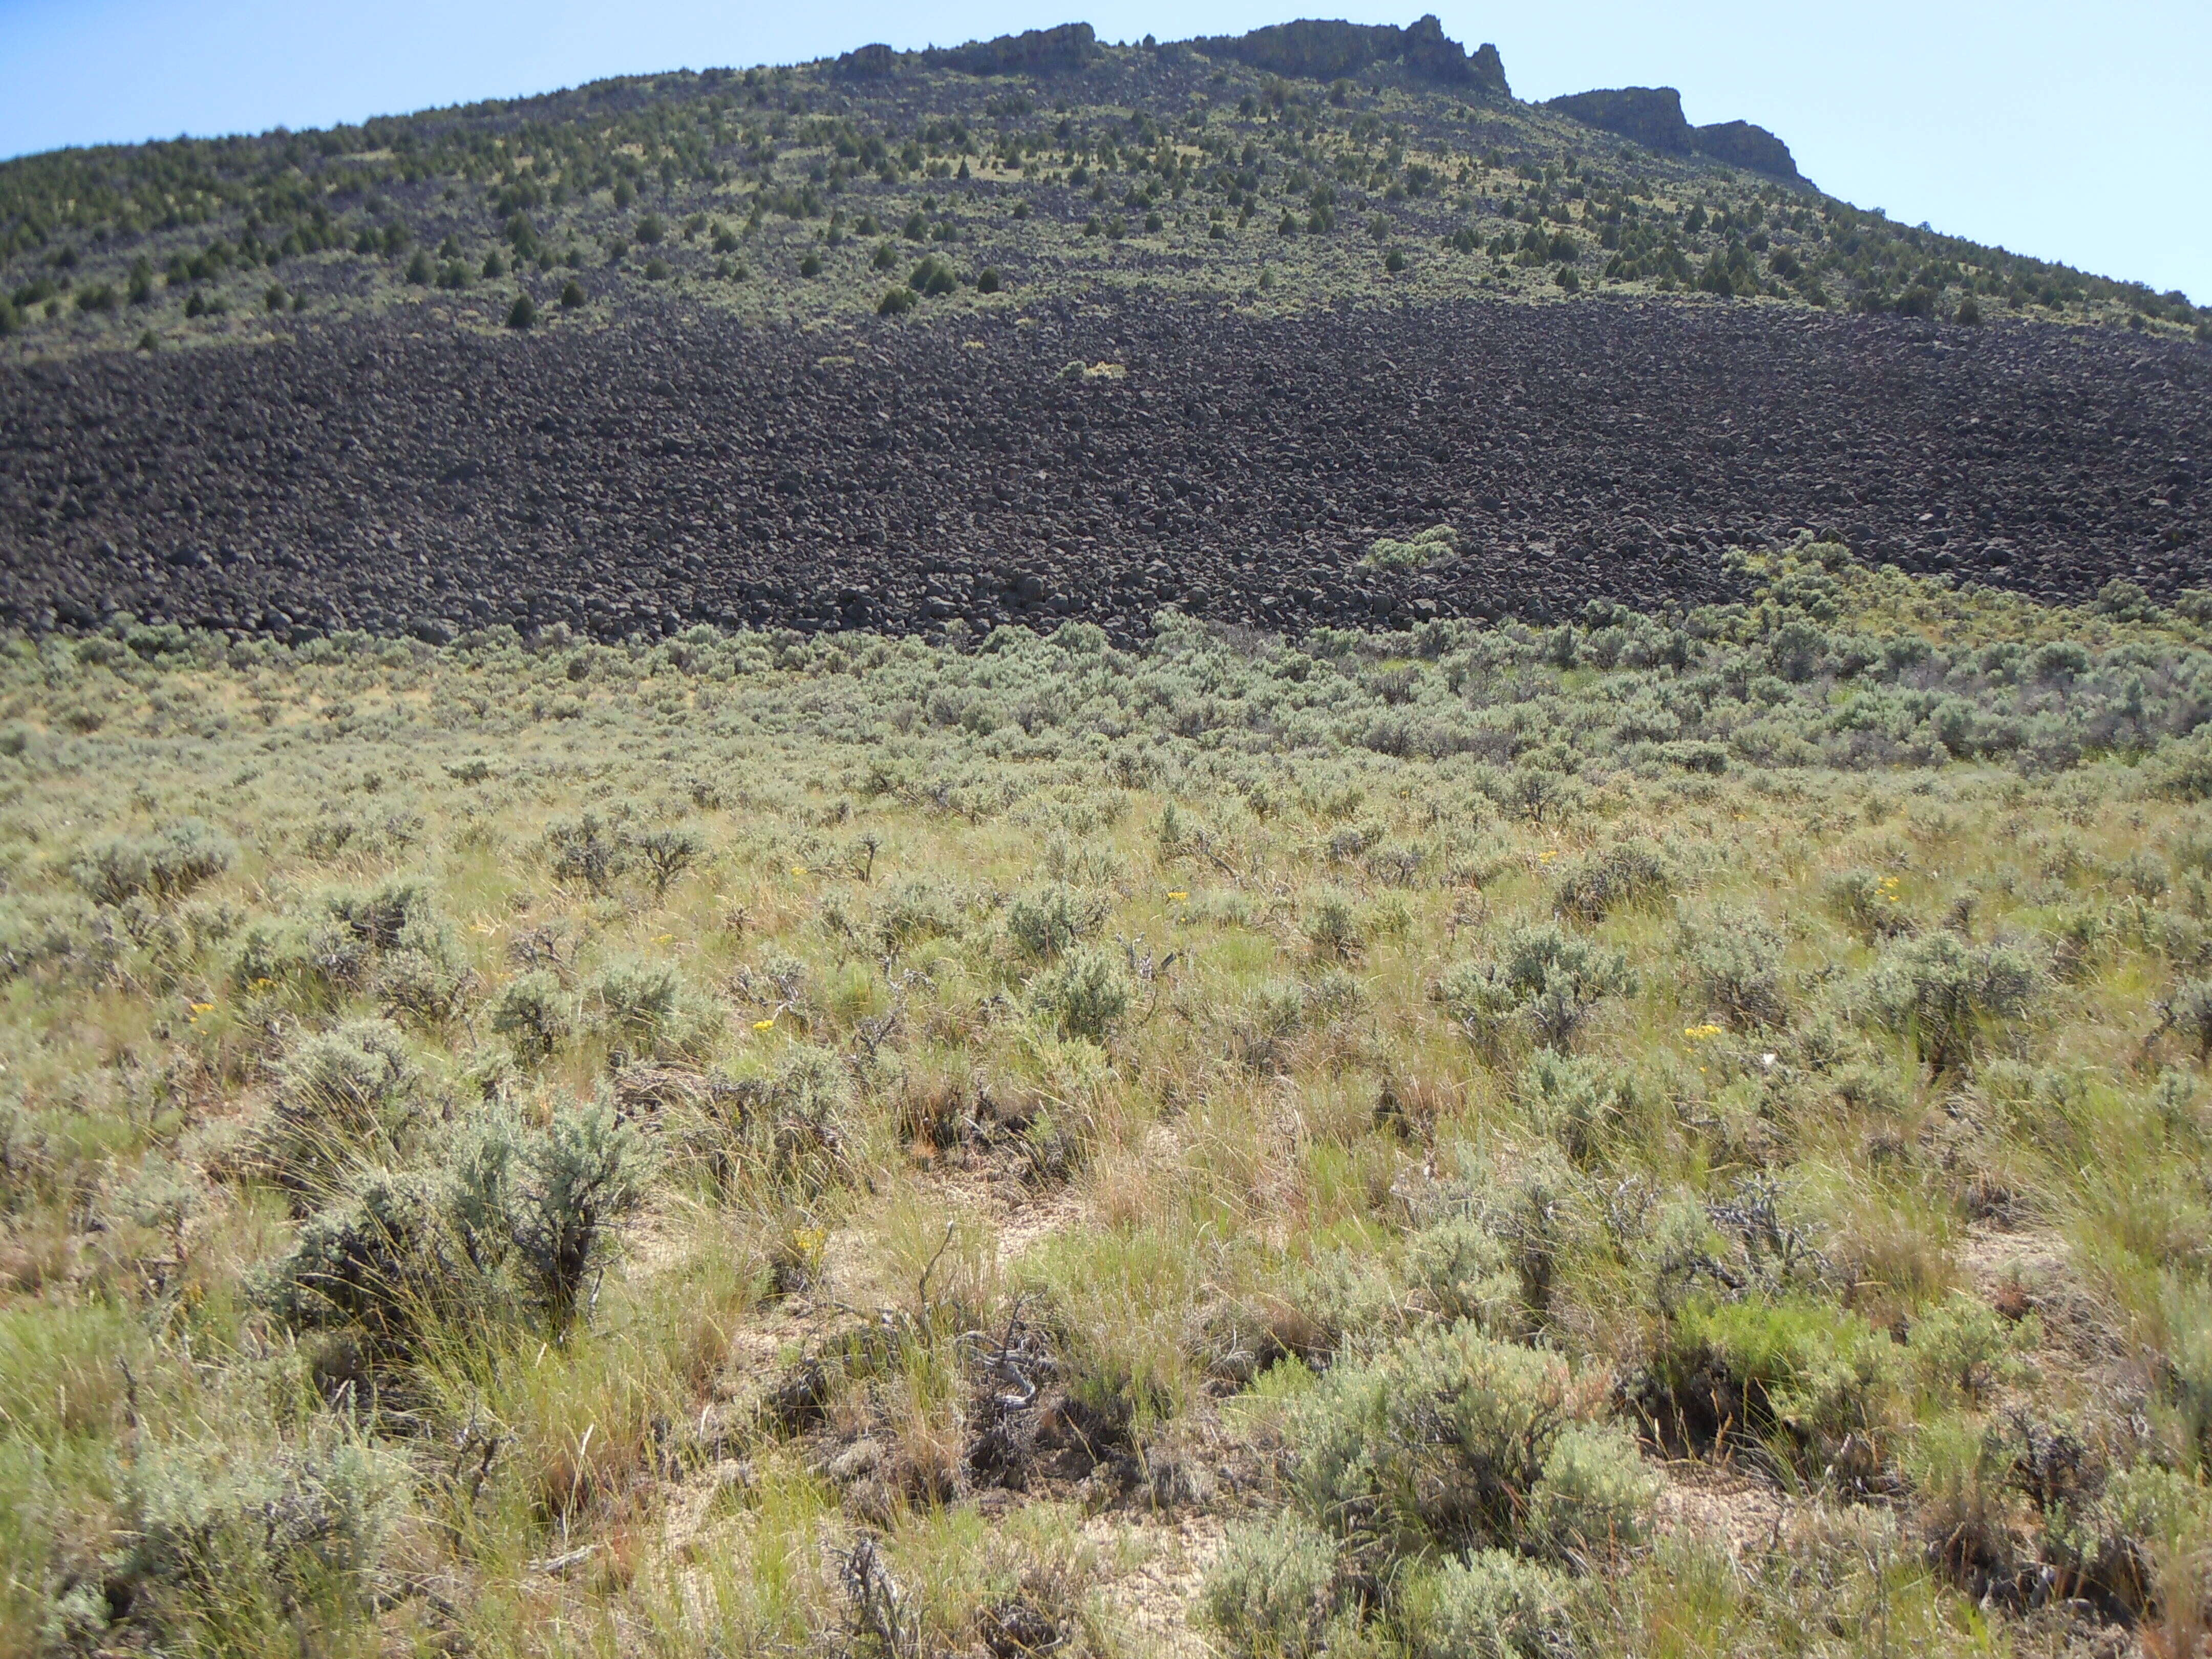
(896, 302)
(911, 911)
(533, 1013)
(1594, 1495)
(425, 977)
(165, 866)
(811, 265)
(381, 916)
(341, 1095)
(1594, 886)
(2187, 772)
(65, 935)
(1464, 1273)
(319, 958)
(1871, 906)
(989, 282)
(1272, 1589)
(1085, 995)
(1805, 1370)
(523, 314)
(1546, 978)
(575, 1182)
(379, 1259)
(236, 1553)
(1332, 927)
(931, 277)
(585, 849)
(1045, 921)
(786, 1129)
(1491, 1604)
(1438, 542)
(1734, 958)
(667, 854)
(1446, 1441)
(1962, 1346)
(1572, 1099)
(2188, 1011)
(572, 296)
(647, 1004)
(1939, 992)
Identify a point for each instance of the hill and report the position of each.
(1296, 165)
(738, 348)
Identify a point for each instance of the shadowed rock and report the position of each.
(1652, 117)
(1316, 49)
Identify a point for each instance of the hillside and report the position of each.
(740, 348)
(1295, 165)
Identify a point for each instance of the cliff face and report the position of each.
(1741, 144)
(1316, 49)
(1060, 51)
(1652, 117)
(1034, 52)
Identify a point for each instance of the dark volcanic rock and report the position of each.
(1060, 51)
(1652, 117)
(684, 468)
(1314, 49)
(1741, 144)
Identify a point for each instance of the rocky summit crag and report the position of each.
(1040, 327)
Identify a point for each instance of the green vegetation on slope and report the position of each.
(800, 193)
(1672, 1133)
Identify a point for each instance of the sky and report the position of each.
(2081, 133)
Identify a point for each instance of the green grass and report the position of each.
(1200, 180)
(1721, 1069)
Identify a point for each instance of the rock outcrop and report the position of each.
(1062, 50)
(1319, 49)
(1652, 117)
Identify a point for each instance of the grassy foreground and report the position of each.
(1670, 1135)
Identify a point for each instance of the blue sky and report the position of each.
(2077, 133)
